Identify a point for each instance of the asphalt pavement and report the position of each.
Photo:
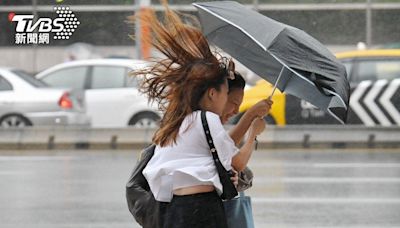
(292, 188)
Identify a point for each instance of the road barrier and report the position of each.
(292, 136)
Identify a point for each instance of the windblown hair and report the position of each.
(178, 82)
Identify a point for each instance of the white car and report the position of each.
(26, 101)
(111, 95)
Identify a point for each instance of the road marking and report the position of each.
(323, 165)
(336, 180)
(15, 173)
(357, 165)
(36, 158)
(262, 200)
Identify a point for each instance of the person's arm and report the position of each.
(239, 130)
(240, 160)
(259, 110)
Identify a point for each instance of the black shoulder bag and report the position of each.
(146, 210)
(228, 188)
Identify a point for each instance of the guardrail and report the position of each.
(294, 136)
(330, 136)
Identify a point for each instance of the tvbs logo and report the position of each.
(30, 32)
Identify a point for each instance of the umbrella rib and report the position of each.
(334, 116)
(285, 65)
(231, 23)
(306, 79)
(335, 94)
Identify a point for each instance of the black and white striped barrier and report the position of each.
(377, 103)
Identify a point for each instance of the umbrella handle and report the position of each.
(276, 83)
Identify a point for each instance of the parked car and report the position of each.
(26, 101)
(374, 77)
(111, 95)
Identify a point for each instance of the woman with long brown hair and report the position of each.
(191, 78)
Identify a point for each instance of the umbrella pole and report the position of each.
(276, 83)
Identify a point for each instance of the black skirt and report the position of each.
(196, 211)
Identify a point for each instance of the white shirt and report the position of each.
(189, 162)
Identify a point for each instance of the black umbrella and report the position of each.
(283, 55)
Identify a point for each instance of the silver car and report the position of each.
(26, 101)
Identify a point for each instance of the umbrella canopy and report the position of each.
(306, 68)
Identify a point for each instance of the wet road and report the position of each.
(292, 188)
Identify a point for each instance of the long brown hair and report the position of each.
(178, 82)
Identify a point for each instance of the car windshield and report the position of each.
(30, 79)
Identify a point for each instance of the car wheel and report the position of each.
(145, 120)
(12, 121)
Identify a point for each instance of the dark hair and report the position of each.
(178, 82)
(237, 83)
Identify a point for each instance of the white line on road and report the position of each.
(357, 165)
(15, 173)
(262, 200)
(324, 165)
(352, 180)
(36, 158)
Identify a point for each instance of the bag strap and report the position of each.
(229, 189)
(210, 141)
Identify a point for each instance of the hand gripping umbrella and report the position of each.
(285, 56)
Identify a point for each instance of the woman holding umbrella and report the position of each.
(189, 80)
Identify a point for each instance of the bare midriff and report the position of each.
(194, 190)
